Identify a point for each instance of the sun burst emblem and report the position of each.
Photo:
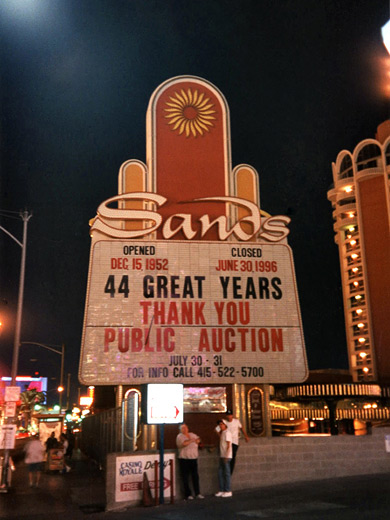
(190, 113)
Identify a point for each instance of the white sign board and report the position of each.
(12, 393)
(7, 436)
(10, 409)
(164, 404)
(130, 471)
(194, 312)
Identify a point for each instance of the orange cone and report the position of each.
(147, 499)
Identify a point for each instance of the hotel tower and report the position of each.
(360, 200)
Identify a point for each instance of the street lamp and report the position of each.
(25, 216)
(386, 36)
(60, 352)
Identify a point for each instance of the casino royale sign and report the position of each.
(169, 311)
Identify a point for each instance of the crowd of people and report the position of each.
(228, 431)
(36, 454)
(188, 443)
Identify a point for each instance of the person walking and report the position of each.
(234, 426)
(34, 455)
(65, 446)
(188, 445)
(225, 457)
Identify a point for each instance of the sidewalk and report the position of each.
(82, 489)
(80, 495)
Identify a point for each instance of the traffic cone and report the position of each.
(147, 499)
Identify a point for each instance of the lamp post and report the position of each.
(25, 216)
(60, 352)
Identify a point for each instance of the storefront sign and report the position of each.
(129, 474)
(164, 404)
(256, 411)
(10, 409)
(215, 312)
(7, 436)
(190, 280)
(12, 393)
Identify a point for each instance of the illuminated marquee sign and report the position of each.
(189, 280)
(215, 312)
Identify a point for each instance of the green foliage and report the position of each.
(29, 398)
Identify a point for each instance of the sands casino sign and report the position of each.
(189, 280)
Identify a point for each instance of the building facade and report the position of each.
(361, 210)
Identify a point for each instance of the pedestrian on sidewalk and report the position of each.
(34, 456)
(188, 445)
(51, 442)
(225, 457)
(65, 446)
(234, 426)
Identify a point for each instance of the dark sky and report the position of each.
(304, 79)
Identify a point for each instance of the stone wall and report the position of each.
(275, 460)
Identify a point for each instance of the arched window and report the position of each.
(346, 168)
(368, 156)
(387, 154)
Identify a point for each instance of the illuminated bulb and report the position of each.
(355, 284)
(349, 236)
(354, 256)
(354, 269)
(363, 355)
(353, 242)
(386, 35)
(365, 369)
(351, 229)
(358, 297)
(359, 311)
(362, 340)
(360, 325)
(348, 189)
(351, 215)
(375, 405)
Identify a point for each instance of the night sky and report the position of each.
(304, 79)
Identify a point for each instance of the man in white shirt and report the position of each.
(225, 457)
(234, 426)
